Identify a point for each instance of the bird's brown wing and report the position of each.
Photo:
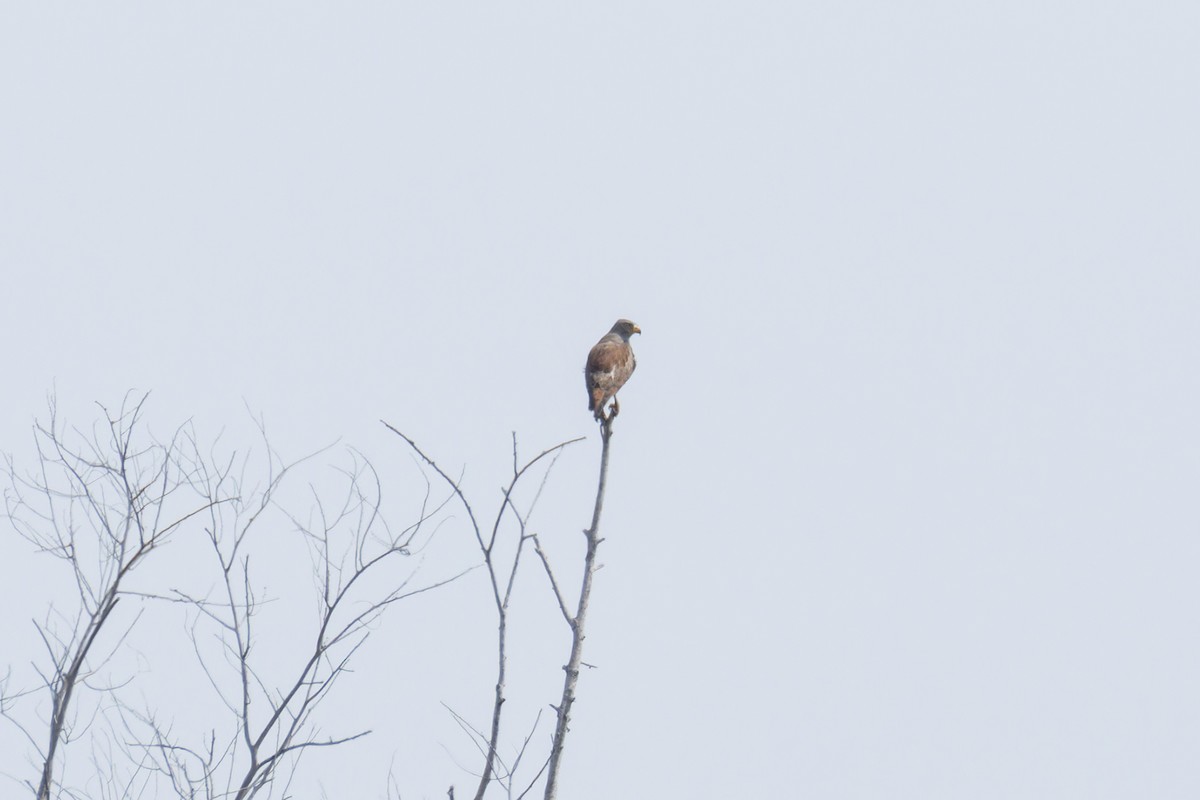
(609, 365)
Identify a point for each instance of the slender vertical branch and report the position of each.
(577, 622)
(500, 596)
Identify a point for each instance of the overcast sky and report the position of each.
(903, 492)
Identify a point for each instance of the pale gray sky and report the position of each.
(902, 501)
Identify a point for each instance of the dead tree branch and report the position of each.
(101, 504)
(351, 548)
(578, 620)
(501, 580)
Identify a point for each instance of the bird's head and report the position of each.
(624, 328)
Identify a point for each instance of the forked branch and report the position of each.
(101, 505)
(501, 587)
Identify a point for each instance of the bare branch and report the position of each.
(348, 540)
(558, 595)
(571, 677)
(100, 504)
(501, 597)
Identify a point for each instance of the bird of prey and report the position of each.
(609, 365)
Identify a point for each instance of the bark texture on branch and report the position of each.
(577, 622)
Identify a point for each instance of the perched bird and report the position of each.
(609, 365)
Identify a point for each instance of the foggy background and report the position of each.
(903, 493)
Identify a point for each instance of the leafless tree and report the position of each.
(101, 503)
(502, 577)
(356, 560)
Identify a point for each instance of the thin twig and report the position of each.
(558, 595)
(500, 598)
